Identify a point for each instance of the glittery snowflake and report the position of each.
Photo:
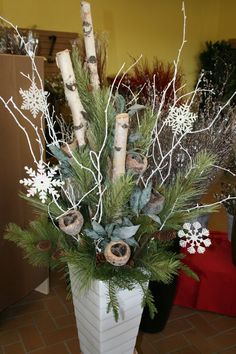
(195, 236)
(42, 181)
(180, 119)
(34, 99)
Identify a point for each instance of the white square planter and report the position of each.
(97, 330)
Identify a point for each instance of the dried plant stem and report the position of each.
(72, 95)
(89, 42)
(120, 142)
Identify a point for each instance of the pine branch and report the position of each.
(116, 197)
(161, 265)
(83, 262)
(29, 240)
(185, 191)
(49, 207)
(148, 300)
(142, 134)
(113, 303)
(81, 164)
(189, 272)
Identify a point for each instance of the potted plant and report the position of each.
(111, 206)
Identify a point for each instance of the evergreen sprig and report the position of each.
(185, 191)
(82, 167)
(116, 197)
(148, 300)
(113, 303)
(49, 207)
(38, 230)
(140, 137)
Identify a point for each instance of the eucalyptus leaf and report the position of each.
(134, 137)
(135, 108)
(109, 229)
(98, 228)
(64, 161)
(120, 103)
(132, 242)
(145, 196)
(135, 199)
(56, 151)
(155, 218)
(92, 234)
(127, 222)
(125, 232)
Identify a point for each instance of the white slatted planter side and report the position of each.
(97, 330)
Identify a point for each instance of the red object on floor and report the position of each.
(216, 290)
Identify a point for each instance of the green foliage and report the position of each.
(139, 139)
(81, 164)
(185, 191)
(83, 262)
(82, 79)
(139, 198)
(162, 266)
(99, 114)
(47, 208)
(28, 240)
(101, 120)
(113, 301)
(116, 197)
(188, 271)
(148, 300)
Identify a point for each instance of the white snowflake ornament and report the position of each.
(34, 100)
(180, 119)
(42, 181)
(194, 236)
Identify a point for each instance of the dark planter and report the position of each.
(164, 296)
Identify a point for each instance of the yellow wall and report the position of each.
(151, 27)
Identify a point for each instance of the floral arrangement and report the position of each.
(112, 205)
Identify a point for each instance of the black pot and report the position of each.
(163, 296)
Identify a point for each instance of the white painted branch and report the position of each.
(89, 42)
(72, 95)
(120, 142)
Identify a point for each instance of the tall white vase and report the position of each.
(97, 330)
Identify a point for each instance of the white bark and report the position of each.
(89, 42)
(120, 143)
(64, 63)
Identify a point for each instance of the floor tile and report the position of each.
(60, 335)
(171, 343)
(54, 349)
(65, 321)
(201, 325)
(15, 322)
(44, 321)
(55, 307)
(16, 348)
(31, 337)
(73, 346)
(224, 323)
(8, 337)
(223, 340)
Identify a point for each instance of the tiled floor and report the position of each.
(41, 324)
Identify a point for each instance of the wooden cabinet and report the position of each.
(17, 277)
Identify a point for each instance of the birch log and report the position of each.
(64, 63)
(89, 42)
(120, 143)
